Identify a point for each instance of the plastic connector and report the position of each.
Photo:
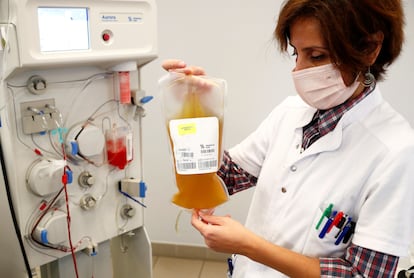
(74, 148)
(140, 102)
(43, 236)
(65, 178)
(91, 250)
(130, 186)
(142, 189)
(146, 99)
(69, 176)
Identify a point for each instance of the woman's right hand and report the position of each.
(180, 66)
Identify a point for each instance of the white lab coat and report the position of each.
(365, 167)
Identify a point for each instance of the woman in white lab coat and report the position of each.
(333, 168)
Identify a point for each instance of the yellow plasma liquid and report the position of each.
(199, 191)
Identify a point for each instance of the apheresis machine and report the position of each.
(72, 192)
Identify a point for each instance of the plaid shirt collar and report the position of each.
(324, 121)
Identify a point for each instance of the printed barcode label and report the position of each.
(207, 164)
(186, 154)
(186, 166)
(195, 145)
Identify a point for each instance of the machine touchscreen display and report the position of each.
(63, 29)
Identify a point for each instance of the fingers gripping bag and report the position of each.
(194, 113)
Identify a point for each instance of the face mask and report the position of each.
(322, 87)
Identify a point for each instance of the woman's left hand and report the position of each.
(180, 66)
(222, 233)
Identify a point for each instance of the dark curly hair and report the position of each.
(347, 27)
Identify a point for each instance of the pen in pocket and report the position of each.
(344, 226)
(336, 221)
(346, 232)
(350, 232)
(332, 219)
(326, 213)
(325, 228)
(346, 220)
(230, 265)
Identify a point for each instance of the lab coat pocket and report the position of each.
(322, 236)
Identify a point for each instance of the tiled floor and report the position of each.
(172, 267)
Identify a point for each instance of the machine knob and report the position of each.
(86, 179)
(87, 202)
(127, 211)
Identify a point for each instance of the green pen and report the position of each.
(327, 212)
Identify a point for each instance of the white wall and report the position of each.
(232, 40)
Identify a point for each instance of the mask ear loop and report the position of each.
(369, 78)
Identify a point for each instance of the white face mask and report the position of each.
(322, 87)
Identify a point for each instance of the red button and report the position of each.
(106, 37)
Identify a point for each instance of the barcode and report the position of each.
(207, 150)
(207, 164)
(187, 154)
(186, 166)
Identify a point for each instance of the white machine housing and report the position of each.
(118, 31)
(43, 66)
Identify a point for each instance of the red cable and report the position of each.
(42, 215)
(64, 180)
(72, 250)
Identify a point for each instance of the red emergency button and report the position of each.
(106, 37)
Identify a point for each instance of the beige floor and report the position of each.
(172, 267)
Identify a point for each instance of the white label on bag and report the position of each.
(195, 145)
(128, 144)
